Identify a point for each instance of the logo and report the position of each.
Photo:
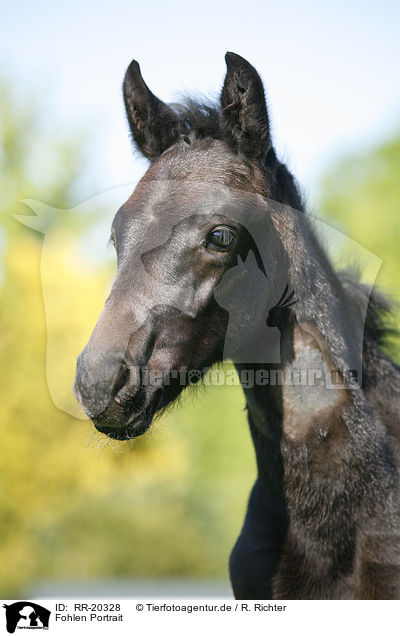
(26, 615)
(257, 294)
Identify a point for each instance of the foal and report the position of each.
(217, 259)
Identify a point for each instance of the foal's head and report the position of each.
(200, 208)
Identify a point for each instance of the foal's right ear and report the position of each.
(244, 110)
(154, 125)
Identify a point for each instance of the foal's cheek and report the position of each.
(205, 293)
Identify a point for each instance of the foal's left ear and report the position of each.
(154, 125)
(244, 110)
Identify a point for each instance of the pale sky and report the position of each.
(330, 68)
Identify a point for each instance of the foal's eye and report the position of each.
(221, 238)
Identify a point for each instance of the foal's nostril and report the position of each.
(121, 381)
(129, 388)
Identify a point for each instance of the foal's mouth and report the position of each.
(127, 421)
(138, 426)
(132, 407)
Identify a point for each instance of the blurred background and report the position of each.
(79, 514)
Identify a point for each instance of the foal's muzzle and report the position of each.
(122, 409)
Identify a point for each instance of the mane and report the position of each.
(200, 117)
(379, 323)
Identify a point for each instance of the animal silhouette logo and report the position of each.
(246, 291)
(26, 615)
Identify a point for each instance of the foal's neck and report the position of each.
(321, 341)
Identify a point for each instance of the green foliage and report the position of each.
(361, 196)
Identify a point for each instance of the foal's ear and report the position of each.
(154, 125)
(244, 111)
